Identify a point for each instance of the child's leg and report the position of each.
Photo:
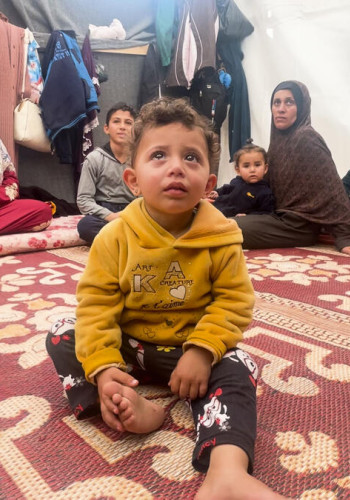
(89, 226)
(136, 413)
(227, 478)
(60, 344)
(144, 359)
(226, 431)
(227, 414)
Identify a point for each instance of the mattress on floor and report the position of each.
(61, 233)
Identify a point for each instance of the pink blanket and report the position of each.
(61, 233)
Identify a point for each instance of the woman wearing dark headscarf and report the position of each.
(302, 175)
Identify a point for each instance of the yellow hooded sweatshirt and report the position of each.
(139, 279)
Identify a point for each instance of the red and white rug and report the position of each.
(300, 338)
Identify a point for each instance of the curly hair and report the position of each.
(167, 110)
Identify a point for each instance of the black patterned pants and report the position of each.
(225, 415)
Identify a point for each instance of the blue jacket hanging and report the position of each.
(69, 93)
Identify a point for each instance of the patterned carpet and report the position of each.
(300, 338)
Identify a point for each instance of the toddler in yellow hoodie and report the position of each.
(166, 291)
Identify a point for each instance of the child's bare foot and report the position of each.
(227, 478)
(137, 414)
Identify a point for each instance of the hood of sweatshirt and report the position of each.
(209, 229)
(105, 152)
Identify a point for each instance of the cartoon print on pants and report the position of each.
(214, 413)
(59, 329)
(68, 381)
(140, 352)
(241, 356)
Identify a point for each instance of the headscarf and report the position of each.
(302, 173)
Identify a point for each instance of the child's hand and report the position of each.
(212, 196)
(192, 372)
(112, 216)
(108, 383)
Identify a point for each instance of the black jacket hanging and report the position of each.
(234, 27)
(209, 96)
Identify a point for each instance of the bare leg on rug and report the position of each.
(227, 478)
(137, 414)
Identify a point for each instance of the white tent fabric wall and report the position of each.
(305, 40)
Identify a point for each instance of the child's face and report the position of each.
(251, 167)
(171, 171)
(119, 127)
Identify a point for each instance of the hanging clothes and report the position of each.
(68, 95)
(165, 20)
(91, 121)
(34, 66)
(151, 77)
(11, 78)
(234, 27)
(195, 46)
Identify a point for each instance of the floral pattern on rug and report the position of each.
(301, 270)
